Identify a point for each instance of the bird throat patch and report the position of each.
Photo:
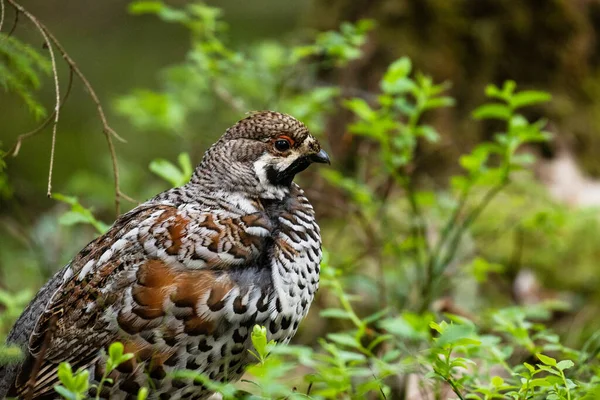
(285, 177)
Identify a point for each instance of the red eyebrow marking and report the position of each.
(289, 139)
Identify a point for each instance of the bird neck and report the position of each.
(236, 178)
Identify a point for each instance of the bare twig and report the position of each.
(109, 132)
(44, 34)
(14, 151)
(16, 20)
(235, 103)
(106, 129)
(56, 106)
(2, 10)
(378, 383)
(128, 198)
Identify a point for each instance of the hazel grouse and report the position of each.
(181, 279)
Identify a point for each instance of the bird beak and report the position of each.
(320, 157)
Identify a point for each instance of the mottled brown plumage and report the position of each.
(182, 278)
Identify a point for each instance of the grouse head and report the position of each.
(260, 156)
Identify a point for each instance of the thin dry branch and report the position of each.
(106, 129)
(44, 34)
(235, 103)
(16, 20)
(109, 132)
(14, 151)
(56, 104)
(2, 10)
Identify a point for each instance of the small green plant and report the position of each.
(78, 214)
(559, 387)
(395, 124)
(261, 346)
(115, 358)
(75, 385)
(337, 47)
(266, 76)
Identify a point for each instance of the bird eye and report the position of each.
(282, 144)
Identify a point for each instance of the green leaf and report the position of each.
(378, 340)
(65, 372)
(493, 91)
(457, 335)
(66, 393)
(338, 48)
(409, 326)
(145, 7)
(165, 12)
(335, 313)
(142, 393)
(428, 132)
(438, 102)
(528, 98)
(549, 369)
(545, 382)
(259, 341)
(163, 111)
(171, 173)
(508, 88)
(75, 384)
(475, 162)
(343, 339)
(186, 166)
(115, 351)
(78, 214)
(492, 111)
(436, 327)
(166, 170)
(530, 367)
(565, 364)
(497, 381)
(72, 218)
(360, 108)
(116, 356)
(395, 80)
(546, 360)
